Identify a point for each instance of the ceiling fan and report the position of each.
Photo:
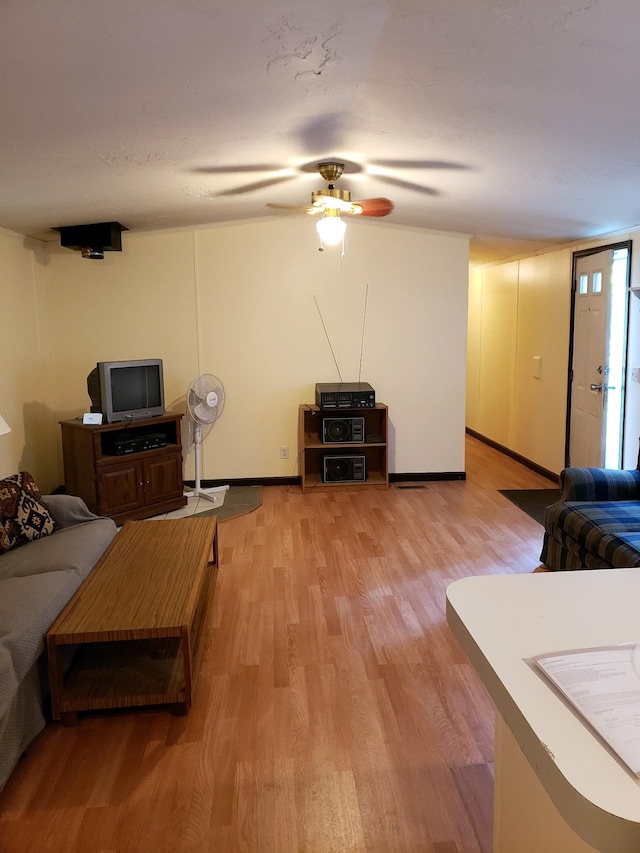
(319, 136)
(333, 203)
(338, 200)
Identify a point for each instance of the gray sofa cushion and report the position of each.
(36, 582)
(77, 548)
(21, 721)
(68, 509)
(28, 608)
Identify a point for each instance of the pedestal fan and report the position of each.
(205, 402)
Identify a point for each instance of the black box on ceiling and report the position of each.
(104, 235)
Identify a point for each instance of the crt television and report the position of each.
(127, 390)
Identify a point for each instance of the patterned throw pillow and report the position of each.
(23, 515)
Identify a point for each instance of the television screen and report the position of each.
(127, 390)
(135, 387)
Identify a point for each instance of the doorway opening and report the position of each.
(598, 356)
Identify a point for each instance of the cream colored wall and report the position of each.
(519, 310)
(138, 304)
(544, 308)
(496, 401)
(531, 420)
(239, 300)
(474, 339)
(27, 398)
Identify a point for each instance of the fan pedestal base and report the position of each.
(215, 494)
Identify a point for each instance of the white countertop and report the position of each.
(500, 621)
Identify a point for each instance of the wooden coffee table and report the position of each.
(136, 619)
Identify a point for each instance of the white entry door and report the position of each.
(596, 374)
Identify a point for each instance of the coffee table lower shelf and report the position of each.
(125, 674)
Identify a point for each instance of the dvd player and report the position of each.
(139, 443)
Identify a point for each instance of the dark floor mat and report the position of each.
(239, 500)
(532, 501)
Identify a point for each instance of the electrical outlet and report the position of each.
(634, 374)
(284, 452)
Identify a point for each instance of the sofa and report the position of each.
(596, 522)
(48, 546)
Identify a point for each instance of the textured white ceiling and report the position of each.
(515, 121)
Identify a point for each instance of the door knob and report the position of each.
(595, 387)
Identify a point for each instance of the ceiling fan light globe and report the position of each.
(331, 229)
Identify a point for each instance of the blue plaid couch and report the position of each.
(596, 523)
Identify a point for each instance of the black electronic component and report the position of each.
(344, 469)
(342, 430)
(122, 445)
(345, 395)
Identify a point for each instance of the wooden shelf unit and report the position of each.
(312, 450)
(129, 486)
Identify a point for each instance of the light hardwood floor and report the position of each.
(333, 710)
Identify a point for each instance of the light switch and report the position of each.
(537, 366)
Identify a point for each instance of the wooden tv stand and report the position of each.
(124, 485)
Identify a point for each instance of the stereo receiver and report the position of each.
(345, 395)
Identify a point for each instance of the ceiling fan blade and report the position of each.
(374, 206)
(420, 164)
(233, 170)
(256, 185)
(407, 185)
(295, 208)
